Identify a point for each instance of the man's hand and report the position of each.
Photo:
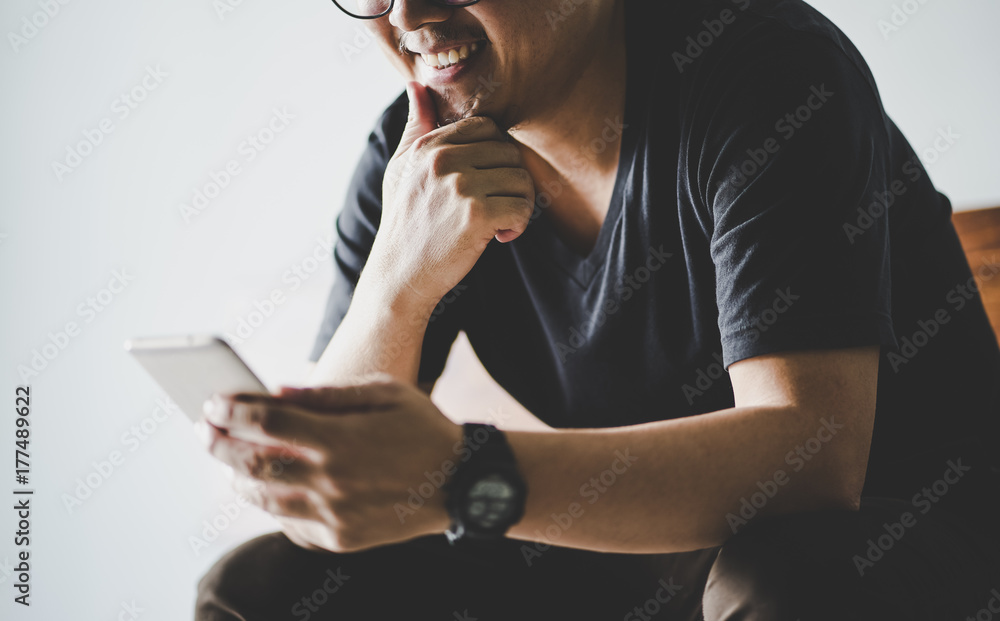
(336, 464)
(446, 193)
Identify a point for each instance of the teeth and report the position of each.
(449, 57)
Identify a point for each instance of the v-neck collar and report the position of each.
(544, 236)
(582, 269)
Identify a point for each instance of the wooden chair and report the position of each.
(979, 232)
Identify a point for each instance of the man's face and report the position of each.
(511, 60)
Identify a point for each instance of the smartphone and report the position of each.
(190, 369)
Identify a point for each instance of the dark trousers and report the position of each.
(909, 558)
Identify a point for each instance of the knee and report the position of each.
(785, 568)
(244, 583)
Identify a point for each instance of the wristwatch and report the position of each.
(486, 494)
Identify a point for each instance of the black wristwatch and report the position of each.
(486, 494)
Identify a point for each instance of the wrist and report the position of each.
(382, 298)
(398, 281)
(487, 493)
(440, 520)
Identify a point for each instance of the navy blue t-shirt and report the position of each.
(764, 202)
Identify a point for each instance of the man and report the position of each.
(687, 237)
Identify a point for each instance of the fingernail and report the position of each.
(215, 409)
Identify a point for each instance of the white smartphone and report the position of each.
(190, 369)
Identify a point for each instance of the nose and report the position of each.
(409, 15)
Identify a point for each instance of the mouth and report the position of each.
(454, 71)
(449, 57)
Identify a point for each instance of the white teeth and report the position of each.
(449, 57)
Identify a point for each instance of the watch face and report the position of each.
(490, 501)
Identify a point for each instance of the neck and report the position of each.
(580, 137)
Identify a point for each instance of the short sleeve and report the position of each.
(792, 162)
(356, 226)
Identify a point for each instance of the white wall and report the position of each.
(939, 69)
(62, 239)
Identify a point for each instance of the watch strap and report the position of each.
(489, 451)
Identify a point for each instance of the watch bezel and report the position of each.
(459, 487)
(516, 504)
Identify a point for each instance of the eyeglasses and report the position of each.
(372, 9)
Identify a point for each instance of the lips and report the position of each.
(441, 57)
(448, 57)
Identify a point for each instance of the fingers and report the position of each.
(250, 489)
(514, 182)
(467, 131)
(422, 117)
(277, 499)
(298, 532)
(510, 216)
(268, 418)
(490, 170)
(508, 201)
(479, 155)
(261, 463)
(375, 395)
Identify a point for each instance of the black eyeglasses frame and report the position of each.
(392, 3)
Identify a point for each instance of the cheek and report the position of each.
(526, 44)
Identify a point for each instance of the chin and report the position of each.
(466, 97)
(453, 107)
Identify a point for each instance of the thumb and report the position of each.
(422, 117)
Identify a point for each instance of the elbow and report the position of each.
(849, 497)
(845, 501)
(837, 482)
(837, 490)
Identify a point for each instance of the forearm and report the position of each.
(382, 332)
(679, 485)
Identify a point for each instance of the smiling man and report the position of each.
(685, 236)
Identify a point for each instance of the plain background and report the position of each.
(61, 240)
